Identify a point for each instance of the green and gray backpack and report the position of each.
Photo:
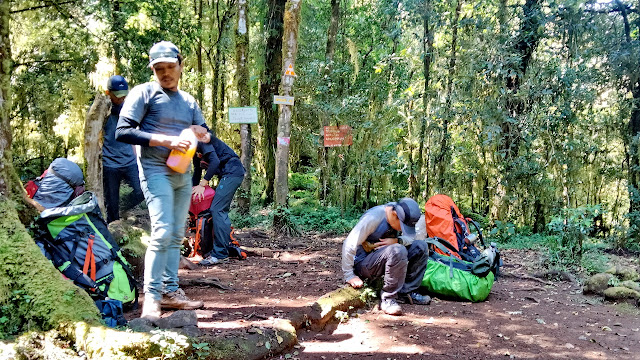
(451, 277)
(77, 241)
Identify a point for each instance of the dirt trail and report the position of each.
(521, 319)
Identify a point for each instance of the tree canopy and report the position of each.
(519, 110)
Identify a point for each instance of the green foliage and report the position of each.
(594, 259)
(302, 182)
(319, 219)
(171, 344)
(503, 232)
(14, 313)
(532, 241)
(260, 218)
(201, 350)
(283, 224)
(573, 227)
(368, 294)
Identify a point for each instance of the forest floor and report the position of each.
(523, 318)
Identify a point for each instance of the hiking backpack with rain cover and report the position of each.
(444, 220)
(76, 239)
(456, 267)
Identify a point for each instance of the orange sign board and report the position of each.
(337, 136)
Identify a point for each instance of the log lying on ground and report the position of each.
(254, 251)
(338, 300)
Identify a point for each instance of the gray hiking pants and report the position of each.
(402, 267)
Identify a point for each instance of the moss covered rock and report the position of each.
(624, 272)
(597, 284)
(633, 285)
(620, 293)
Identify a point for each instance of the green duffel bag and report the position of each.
(451, 277)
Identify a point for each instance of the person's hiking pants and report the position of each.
(111, 178)
(168, 197)
(402, 268)
(220, 215)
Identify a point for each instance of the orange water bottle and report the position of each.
(179, 161)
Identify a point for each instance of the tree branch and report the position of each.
(56, 61)
(42, 6)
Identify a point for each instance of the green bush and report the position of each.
(594, 260)
(255, 218)
(522, 241)
(321, 219)
(503, 232)
(302, 182)
(573, 226)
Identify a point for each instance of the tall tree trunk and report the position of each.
(427, 50)
(7, 172)
(527, 41)
(289, 54)
(116, 26)
(633, 130)
(444, 154)
(269, 87)
(197, 4)
(93, 125)
(332, 32)
(10, 184)
(244, 97)
(216, 60)
(215, 89)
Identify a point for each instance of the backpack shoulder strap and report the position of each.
(442, 244)
(477, 226)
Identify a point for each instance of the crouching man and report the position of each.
(375, 249)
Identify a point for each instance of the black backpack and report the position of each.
(77, 241)
(202, 241)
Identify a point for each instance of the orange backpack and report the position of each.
(444, 220)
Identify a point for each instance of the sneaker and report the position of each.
(414, 298)
(179, 301)
(212, 260)
(390, 307)
(209, 260)
(151, 310)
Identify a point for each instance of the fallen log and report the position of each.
(254, 251)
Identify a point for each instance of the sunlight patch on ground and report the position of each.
(357, 338)
(445, 322)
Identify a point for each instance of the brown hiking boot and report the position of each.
(179, 301)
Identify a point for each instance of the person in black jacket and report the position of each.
(218, 159)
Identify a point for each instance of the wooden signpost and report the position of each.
(337, 136)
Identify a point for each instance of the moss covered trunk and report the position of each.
(33, 294)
